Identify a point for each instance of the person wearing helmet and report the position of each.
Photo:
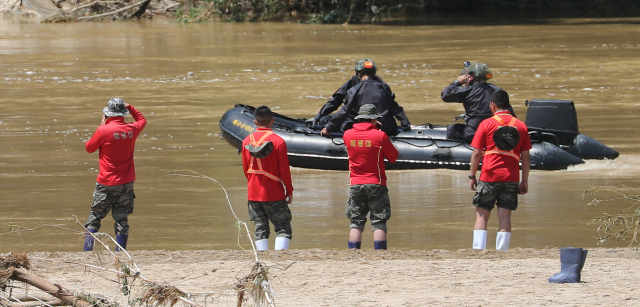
(334, 103)
(473, 90)
(370, 90)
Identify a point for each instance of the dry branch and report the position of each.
(114, 12)
(83, 6)
(22, 275)
(33, 297)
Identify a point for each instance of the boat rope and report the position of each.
(433, 142)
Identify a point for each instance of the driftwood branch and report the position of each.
(83, 6)
(113, 12)
(6, 303)
(35, 299)
(21, 274)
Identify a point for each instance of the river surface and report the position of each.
(56, 78)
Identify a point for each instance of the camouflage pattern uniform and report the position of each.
(118, 199)
(505, 193)
(365, 198)
(278, 212)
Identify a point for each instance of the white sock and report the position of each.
(262, 245)
(479, 239)
(502, 241)
(282, 243)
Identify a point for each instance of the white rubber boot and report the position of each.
(282, 243)
(479, 239)
(262, 245)
(503, 239)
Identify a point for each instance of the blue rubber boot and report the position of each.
(88, 240)
(354, 244)
(571, 263)
(380, 244)
(122, 240)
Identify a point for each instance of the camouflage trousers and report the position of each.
(118, 199)
(368, 198)
(261, 212)
(502, 194)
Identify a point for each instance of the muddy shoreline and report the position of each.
(370, 278)
(320, 11)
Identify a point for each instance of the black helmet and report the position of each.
(366, 65)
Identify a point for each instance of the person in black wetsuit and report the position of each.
(474, 92)
(370, 90)
(336, 101)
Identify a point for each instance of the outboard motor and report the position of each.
(556, 122)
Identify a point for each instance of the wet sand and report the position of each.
(371, 278)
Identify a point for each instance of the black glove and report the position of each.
(406, 126)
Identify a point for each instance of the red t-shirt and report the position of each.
(263, 175)
(368, 147)
(116, 141)
(500, 167)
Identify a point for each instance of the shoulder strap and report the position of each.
(261, 140)
(497, 151)
(260, 170)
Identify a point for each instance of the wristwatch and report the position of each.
(472, 176)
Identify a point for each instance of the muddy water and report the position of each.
(56, 78)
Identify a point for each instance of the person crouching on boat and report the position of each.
(501, 141)
(368, 147)
(338, 98)
(473, 90)
(370, 90)
(266, 166)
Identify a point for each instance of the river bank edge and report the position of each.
(321, 12)
(319, 277)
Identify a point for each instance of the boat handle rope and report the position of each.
(433, 142)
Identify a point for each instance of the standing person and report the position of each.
(266, 166)
(471, 89)
(368, 147)
(370, 90)
(116, 140)
(503, 140)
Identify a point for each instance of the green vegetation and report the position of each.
(360, 11)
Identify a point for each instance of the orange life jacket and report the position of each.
(497, 151)
(260, 170)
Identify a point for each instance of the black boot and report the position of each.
(571, 263)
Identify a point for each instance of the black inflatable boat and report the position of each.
(553, 128)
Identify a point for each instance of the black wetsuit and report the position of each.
(371, 91)
(476, 100)
(337, 99)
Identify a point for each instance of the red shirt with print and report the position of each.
(368, 146)
(269, 178)
(500, 167)
(116, 141)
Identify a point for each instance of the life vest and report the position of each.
(497, 151)
(268, 147)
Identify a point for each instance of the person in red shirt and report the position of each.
(500, 141)
(266, 166)
(368, 146)
(116, 141)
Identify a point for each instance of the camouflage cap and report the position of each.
(368, 111)
(115, 107)
(366, 65)
(480, 72)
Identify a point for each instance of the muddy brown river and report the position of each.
(56, 78)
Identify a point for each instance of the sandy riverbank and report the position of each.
(370, 278)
